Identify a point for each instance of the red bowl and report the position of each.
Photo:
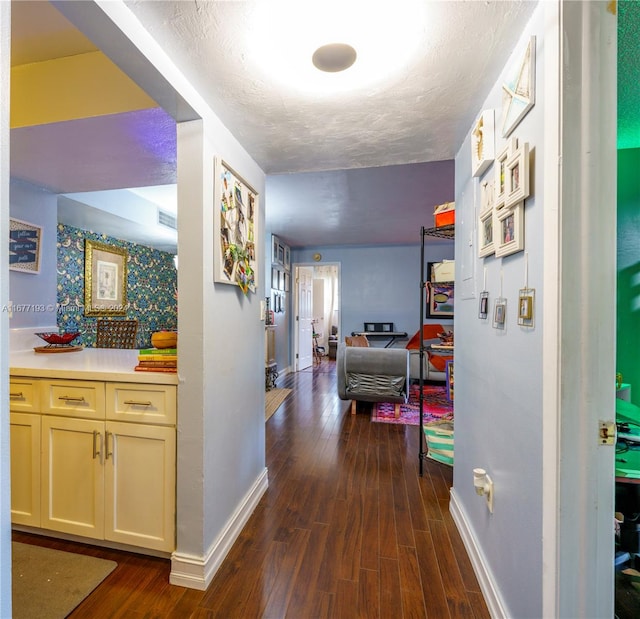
(58, 338)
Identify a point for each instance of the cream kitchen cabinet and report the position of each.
(106, 453)
(109, 480)
(25, 468)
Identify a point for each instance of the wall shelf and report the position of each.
(442, 232)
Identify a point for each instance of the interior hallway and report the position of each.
(347, 528)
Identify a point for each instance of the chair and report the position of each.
(373, 375)
(116, 333)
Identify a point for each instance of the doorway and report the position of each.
(317, 310)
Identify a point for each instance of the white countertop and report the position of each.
(86, 364)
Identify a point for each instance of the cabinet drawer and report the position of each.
(155, 404)
(73, 398)
(24, 395)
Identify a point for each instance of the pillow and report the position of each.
(439, 362)
(430, 333)
(360, 341)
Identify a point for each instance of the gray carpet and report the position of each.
(49, 584)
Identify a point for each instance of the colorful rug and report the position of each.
(435, 406)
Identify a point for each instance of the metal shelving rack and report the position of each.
(442, 232)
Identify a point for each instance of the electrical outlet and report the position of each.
(606, 433)
(489, 493)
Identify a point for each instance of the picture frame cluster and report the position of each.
(280, 273)
(502, 198)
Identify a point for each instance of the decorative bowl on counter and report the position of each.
(164, 339)
(58, 339)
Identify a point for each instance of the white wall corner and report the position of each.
(485, 578)
(197, 572)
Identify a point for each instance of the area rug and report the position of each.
(49, 584)
(272, 401)
(435, 405)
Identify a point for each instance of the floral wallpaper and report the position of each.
(151, 287)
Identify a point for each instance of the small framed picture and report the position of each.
(517, 175)
(486, 230)
(526, 299)
(510, 230)
(482, 143)
(275, 243)
(483, 308)
(500, 313)
(287, 257)
(24, 246)
(500, 179)
(275, 278)
(286, 281)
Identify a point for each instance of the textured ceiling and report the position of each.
(310, 144)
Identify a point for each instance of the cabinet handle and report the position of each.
(107, 451)
(16, 395)
(96, 452)
(137, 403)
(69, 398)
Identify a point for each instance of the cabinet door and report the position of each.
(140, 485)
(25, 469)
(73, 476)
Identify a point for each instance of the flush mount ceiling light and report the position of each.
(283, 35)
(334, 57)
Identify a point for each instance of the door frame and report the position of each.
(295, 336)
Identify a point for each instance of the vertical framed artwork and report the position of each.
(518, 88)
(482, 143)
(24, 246)
(526, 299)
(500, 179)
(105, 279)
(440, 301)
(486, 220)
(500, 313)
(517, 175)
(236, 223)
(510, 230)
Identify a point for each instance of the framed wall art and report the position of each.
(510, 230)
(500, 313)
(500, 179)
(517, 175)
(440, 301)
(518, 88)
(482, 143)
(105, 279)
(486, 220)
(24, 246)
(235, 222)
(526, 298)
(483, 306)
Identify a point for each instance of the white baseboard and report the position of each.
(196, 572)
(483, 573)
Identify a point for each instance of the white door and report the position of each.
(304, 316)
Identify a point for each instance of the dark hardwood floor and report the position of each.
(347, 529)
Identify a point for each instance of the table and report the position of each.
(392, 335)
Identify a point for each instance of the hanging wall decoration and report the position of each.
(518, 88)
(500, 313)
(236, 222)
(517, 175)
(24, 246)
(482, 143)
(486, 219)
